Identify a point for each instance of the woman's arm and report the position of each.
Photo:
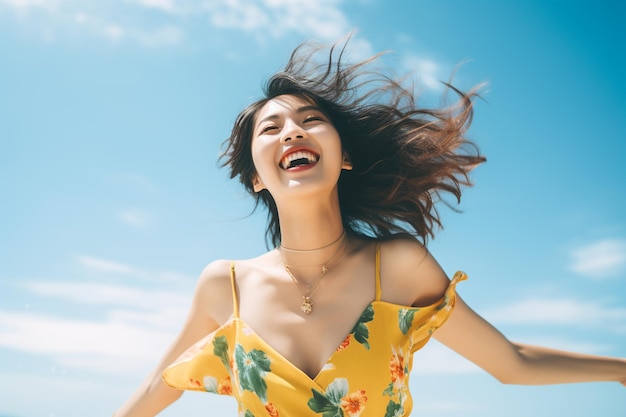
(211, 299)
(512, 363)
(413, 271)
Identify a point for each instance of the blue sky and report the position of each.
(111, 119)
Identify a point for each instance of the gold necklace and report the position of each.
(307, 296)
(307, 300)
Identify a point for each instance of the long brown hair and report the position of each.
(404, 157)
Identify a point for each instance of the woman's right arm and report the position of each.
(211, 305)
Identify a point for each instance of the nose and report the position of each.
(292, 132)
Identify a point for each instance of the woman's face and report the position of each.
(295, 148)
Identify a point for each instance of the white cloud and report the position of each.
(435, 358)
(135, 217)
(107, 294)
(113, 32)
(322, 19)
(602, 259)
(105, 266)
(556, 311)
(234, 14)
(163, 36)
(164, 5)
(129, 337)
(428, 72)
(264, 20)
(25, 4)
(106, 346)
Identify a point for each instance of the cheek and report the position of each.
(262, 156)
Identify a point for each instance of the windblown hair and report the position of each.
(404, 157)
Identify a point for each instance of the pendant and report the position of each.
(307, 305)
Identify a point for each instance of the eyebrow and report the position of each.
(298, 110)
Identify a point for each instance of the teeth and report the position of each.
(309, 156)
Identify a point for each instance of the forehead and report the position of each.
(282, 104)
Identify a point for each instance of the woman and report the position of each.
(326, 324)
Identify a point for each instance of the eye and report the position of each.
(312, 118)
(268, 128)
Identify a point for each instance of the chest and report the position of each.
(273, 311)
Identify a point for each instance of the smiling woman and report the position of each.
(326, 322)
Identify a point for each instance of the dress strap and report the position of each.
(378, 287)
(234, 289)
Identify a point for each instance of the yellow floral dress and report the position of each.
(366, 376)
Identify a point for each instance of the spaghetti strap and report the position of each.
(378, 287)
(234, 289)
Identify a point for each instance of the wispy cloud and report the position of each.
(107, 266)
(135, 217)
(435, 358)
(108, 294)
(162, 22)
(429, 73)
(601, 259)
(277, 18)
(109, 346)
(136, 326)
(25, 4)
(557, 311)
(164, 5)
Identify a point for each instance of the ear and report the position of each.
(257, 184)
(346, 163)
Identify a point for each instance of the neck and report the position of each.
(311, 232)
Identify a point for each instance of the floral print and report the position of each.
(346, 342)
(252, 367)
(398, 387)
(336, 401)
(271, 410)
(222, 386)
(367, 375)
(353, 404)
(360, 330)
(405, 318)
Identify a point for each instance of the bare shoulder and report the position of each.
(213, 291)
(410, 273)
(216, 273)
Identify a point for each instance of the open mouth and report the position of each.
(298, 159)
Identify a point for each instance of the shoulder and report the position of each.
(213, 293)
(218, 272)
(410, 273)
(214, 290)
(215, 273)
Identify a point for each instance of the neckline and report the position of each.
(274, 352)
(314, 379)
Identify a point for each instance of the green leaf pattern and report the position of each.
(220, 349)
(405, 319)
(394, 409)
(336, 402)
(252, 367)
(360, 330)
(328, 403)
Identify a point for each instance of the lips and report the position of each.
(298, 157)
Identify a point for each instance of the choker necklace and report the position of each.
(307, 295)
(284, 248)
